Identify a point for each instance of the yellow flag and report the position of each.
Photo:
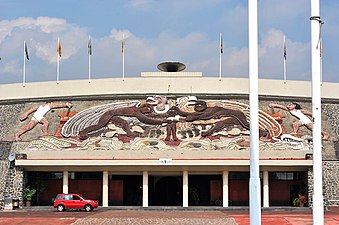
(59, 50)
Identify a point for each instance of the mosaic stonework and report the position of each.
(159, 123)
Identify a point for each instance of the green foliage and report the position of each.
(300, 200)
(28, 193)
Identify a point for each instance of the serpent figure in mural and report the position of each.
(113, 116)
(203, 112)
(153, 112)
(157, 113)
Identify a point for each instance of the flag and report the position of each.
(89, 46)
(285, 53)
(123, 45)
(26, 51)
(59, 50)
(221, 50)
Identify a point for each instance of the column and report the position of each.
(266, 192)
(65, 182)
(145, 189)
(105, 189)
(185, 188)
(225, 189)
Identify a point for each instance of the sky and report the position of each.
(155, 31)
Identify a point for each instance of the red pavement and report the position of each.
(288, 218)
(49, 217)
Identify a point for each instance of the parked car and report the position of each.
(73, 201)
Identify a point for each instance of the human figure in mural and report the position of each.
(38, 117)
(142, 113)
(297, 111)
(203, 112)
(171, 128)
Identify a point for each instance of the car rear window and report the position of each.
(58, 197)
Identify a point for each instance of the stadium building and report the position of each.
(163, 139)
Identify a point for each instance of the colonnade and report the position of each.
(185, 182)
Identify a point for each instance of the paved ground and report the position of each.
(163, 217)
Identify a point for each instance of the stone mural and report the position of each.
(166, 124)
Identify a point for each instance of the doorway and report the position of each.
(165, 190)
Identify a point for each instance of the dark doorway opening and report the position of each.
(204, 190)
(88, 184)
(125, 190)
(238, 188)
(47, 186)
(285, 187)
(165, 190)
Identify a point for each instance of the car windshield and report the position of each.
(82, 197)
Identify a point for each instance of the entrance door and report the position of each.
(166, 190)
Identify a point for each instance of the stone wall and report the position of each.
(8, 119)
(11, 177)
(310, 186)
(330, 183)
(13, 181)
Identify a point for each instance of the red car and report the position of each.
(73, 201)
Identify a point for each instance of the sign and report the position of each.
(165, 161)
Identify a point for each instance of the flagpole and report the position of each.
(58, 65)
(220, 53)
(89, 58)
(123, 57)
(89, 68)
(254, 183)
(317, 198)
(285, 56)
(58, 61)
(321, 61)
(24, 69)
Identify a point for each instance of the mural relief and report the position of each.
(159, 123)
(301, 114)
(38, 117)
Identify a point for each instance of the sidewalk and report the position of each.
(49, 216)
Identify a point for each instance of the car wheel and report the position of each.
(60, 208)
(88, 208)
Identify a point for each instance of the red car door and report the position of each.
(67, 201)
(77, 202)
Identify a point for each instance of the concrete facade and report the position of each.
(15, 99)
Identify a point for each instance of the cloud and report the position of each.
(197, 50)
(144, 5)
(271, 57)
(12, 67)
(118, 34)
(41, 24)
(42, 34)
